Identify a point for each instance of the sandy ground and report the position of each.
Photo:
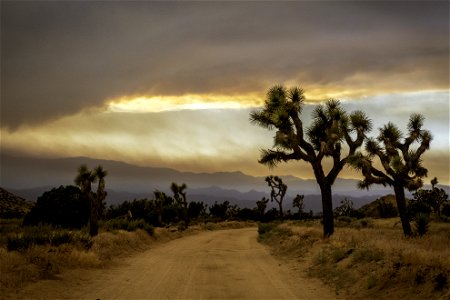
(224, 264)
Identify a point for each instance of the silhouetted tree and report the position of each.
(278, 191)
(331, 128)
(219, 210)
(84, 180)
(345, 209)
(261, 206)
(432, 199)
(298, 202)
(63, 206)
(402, 165)
(196, 209)
(179, 195)
(101, 173)
(158, 205)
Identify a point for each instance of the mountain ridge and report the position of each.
(29, 177)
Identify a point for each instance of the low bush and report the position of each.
(128, 225)
(366, 255)
(421, 224)
(264, 228)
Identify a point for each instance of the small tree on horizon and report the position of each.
(179, 194)
(298, 202)
(401, 163)
(278, 191)
(261, 206)
(331, 128)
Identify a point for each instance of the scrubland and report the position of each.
(367, 258)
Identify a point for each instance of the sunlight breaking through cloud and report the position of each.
(146, 104)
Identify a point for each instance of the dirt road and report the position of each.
(225, 264)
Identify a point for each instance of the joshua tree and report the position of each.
(160, 199)
(298, 202)
(278, 191)
(262, 205)
(84, 180)
(101, 173)
(402, 165)
(179, 195)
(345, 209)
(331, 128)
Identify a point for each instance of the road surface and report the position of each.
(224, 264)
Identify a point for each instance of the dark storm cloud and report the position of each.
(61, 57)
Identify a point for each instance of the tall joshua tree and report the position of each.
(84, 180)
(101, 173)
(331, 128)
(278, 191)
(179, 194)
(402, 164)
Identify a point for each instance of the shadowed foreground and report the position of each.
(211, 265)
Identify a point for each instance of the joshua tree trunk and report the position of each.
(280, 205)
(93, 221)
(186, 214)
(327, 209)
(401, 206)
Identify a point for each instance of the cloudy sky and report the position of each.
(172, 83)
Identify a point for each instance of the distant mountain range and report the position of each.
(30, 177)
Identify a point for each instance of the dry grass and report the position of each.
(46, 261)
(374, 261)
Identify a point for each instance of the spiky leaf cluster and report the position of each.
(179, 193)
(402, 164)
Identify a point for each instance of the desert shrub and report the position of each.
(320, 259)
(196, 209)
(264, 228)
(364, 255)
(271, 215)
(337, 254)
(128, 225)
(63, 206)
(245, 214)
(343, 220)
(345, 209)
(386, 209)
(363, 223)
(421, 224)
(446, 209)
(440, 281)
